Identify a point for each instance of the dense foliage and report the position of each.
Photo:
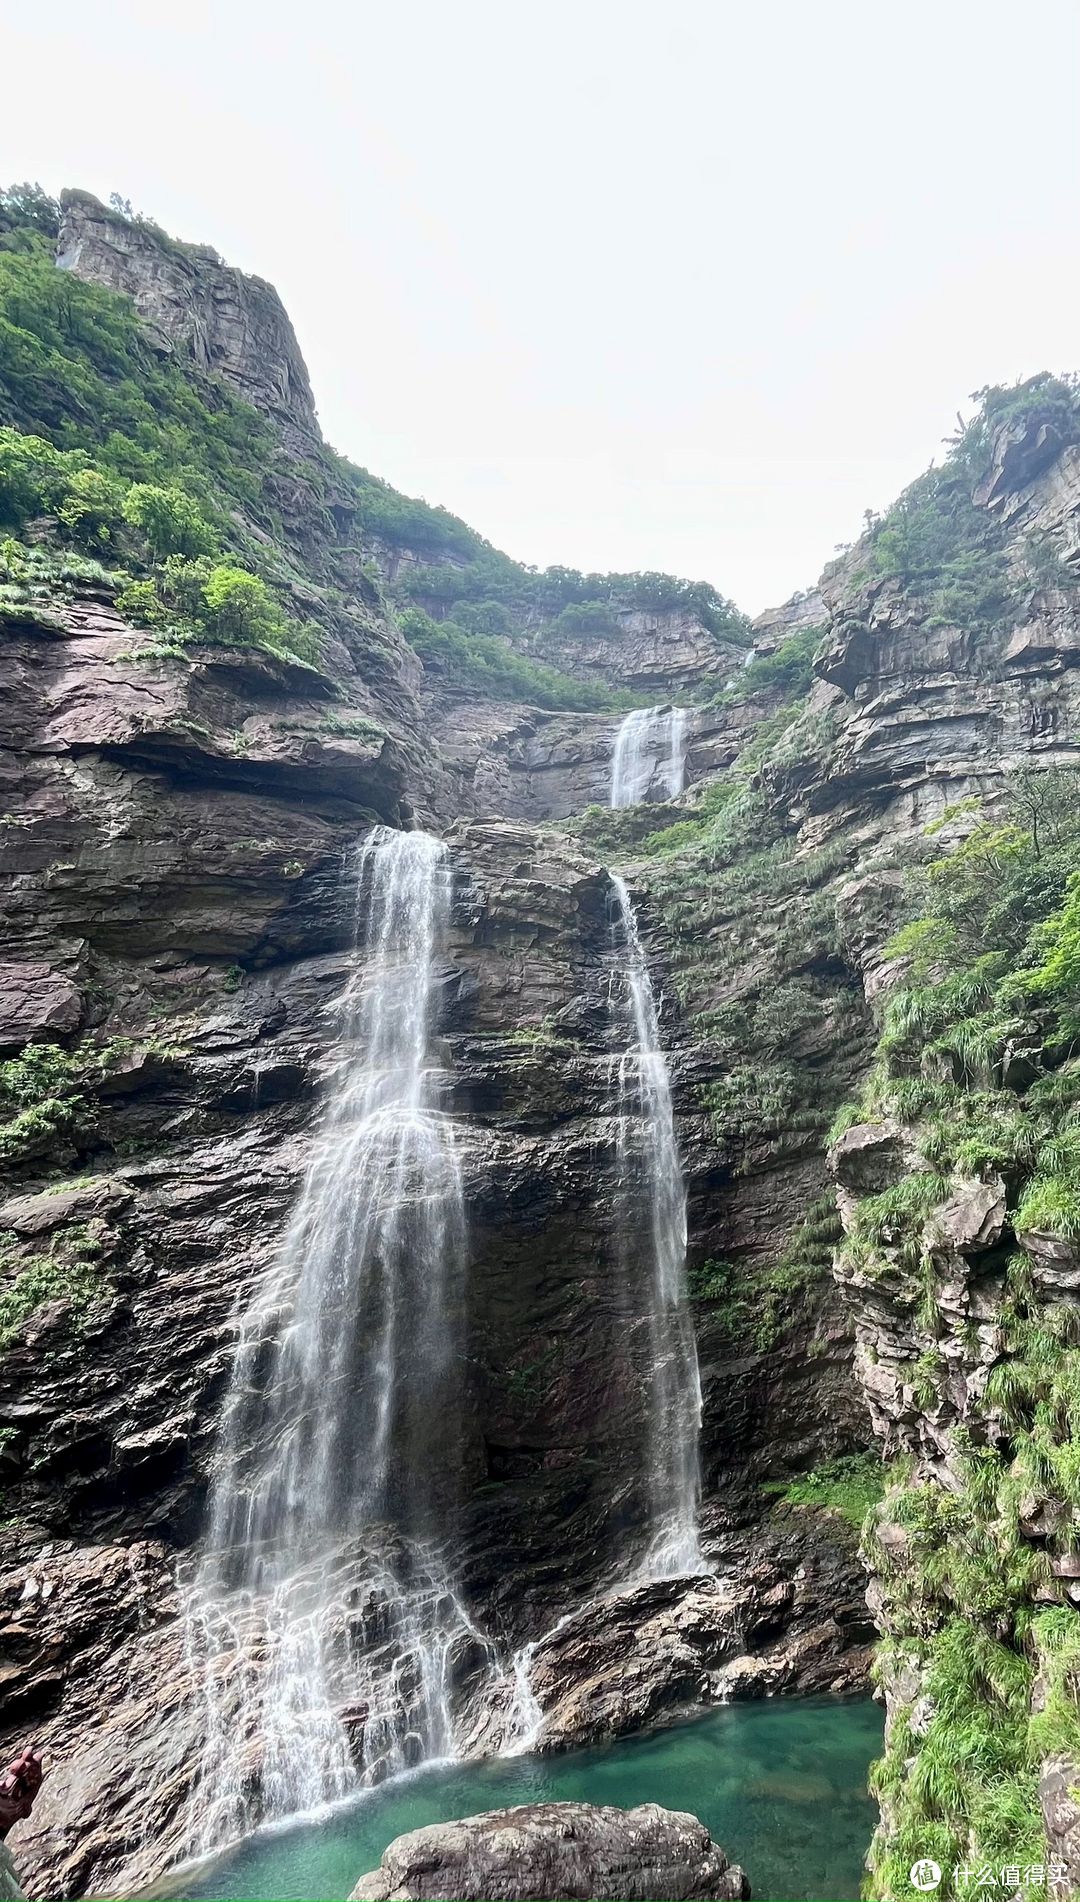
(486, 664)
(849, 1485)
(76, 367)
(787, 672)
(951, 552)
(980, 1060)
(571, 603)
(157, 532)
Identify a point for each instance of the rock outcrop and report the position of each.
(191, 301)
(539, 1852)
(783, 1613)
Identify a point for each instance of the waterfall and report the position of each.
(652, 1203)
(323, 1621)
(649, 755)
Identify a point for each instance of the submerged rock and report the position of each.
(568, 1850)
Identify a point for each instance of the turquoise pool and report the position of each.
(781, 1785)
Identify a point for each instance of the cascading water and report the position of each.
(650, 752)
(323, 1620)
(649, 755)
(652, 1198)
(652, 1202)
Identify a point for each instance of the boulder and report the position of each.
(39, 1004)
(1055, 1261)
(972, 1218)
(868, 1157)
(557, 1850)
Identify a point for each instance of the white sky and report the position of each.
(682, 286)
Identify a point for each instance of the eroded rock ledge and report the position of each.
(566, 1850)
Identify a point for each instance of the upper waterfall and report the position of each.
(649, 755)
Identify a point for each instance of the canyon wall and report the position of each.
(175, 930)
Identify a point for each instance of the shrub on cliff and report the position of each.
(240, 607)
(980, 1061)
(93, 507)
(32, 477)
(486, 665)
(788, 671)
(169, 521)
(203, 600)
(28, 208)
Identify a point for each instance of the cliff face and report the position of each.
(175, 927)
(193, 303)
(957, 743)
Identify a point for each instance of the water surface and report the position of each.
(781, 1784)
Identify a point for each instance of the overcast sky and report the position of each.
(684, 287)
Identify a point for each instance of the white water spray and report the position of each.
(652, 1204)
(649, 758)
(324, 1619)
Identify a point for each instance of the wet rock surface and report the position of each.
(552, 1850)
(785, 1610)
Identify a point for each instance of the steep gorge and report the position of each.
(180, 797)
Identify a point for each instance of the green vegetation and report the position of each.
(980, 1059)
(151, 461)
(40, 1098)
(977, 1047)
(203, 600)
(542, 1036)
(971, 1796)
(46, 1091)
(754, 1302)
(486, 664)
(788, 671)
(849, 1484)
(945, 549)
(147, 527)
(168, 521)
(70, 1273)
(406, 521)
(77, 368)
(504, 592)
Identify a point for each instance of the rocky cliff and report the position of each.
(186, 759)
(192, 303)
(182, 793)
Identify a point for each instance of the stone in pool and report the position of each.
(541, 1851)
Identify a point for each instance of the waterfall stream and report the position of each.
(649, 755)
(651, 748)
(650, 1208)
(652, 1204)
(324, 1622)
